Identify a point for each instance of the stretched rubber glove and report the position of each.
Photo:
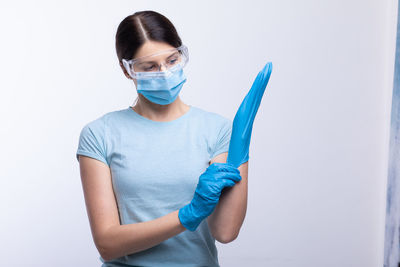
(243, 122)
(206, 196)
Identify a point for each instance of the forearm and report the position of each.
(226, 220)
(121, 240)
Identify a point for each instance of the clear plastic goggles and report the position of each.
(147, 67)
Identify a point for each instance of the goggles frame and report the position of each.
(128, 64)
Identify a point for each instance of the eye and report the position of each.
(172, 61)
(149, 68)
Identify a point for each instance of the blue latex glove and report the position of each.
(243, 122)
(206, 196)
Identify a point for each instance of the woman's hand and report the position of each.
(206, 196)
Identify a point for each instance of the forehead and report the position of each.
(151, 49)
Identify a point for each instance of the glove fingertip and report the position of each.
(229, 183)
(238, 177)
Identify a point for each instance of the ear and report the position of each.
(124, 70)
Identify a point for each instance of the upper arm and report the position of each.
(219, 158)
(100, 201)
(243, 168)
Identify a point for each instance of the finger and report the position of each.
(236, 177)
(225, 167)
(228, 183)
(211, 166)
(230, 176)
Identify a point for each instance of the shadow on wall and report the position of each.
(392, 228)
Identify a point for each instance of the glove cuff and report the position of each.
(187, 217)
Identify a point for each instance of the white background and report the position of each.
(318, 154)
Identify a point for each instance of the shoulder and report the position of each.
(212, 118)
(99, 124)
(218, 129)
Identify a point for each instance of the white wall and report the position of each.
(318, 155)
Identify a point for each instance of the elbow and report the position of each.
(104, 252)
(105, 255)
(104, 249)
(224, 233)
(106, 258)
(227, 237)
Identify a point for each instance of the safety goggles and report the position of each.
(147, 67)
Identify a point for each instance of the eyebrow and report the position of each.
(144, 62)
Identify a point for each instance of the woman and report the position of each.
(157, 189)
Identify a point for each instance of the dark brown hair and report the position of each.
(141, 26)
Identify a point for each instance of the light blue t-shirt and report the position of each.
(155, 167)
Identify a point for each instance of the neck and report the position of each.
(157, 112)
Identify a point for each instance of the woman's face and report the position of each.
(150, 48)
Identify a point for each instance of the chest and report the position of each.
(158, 166)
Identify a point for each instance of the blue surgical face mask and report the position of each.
(162, 90)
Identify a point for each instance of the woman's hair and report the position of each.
(141, 26)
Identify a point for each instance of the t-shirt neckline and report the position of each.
(149, 121)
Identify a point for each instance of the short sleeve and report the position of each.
(91, 142)
(223, 138)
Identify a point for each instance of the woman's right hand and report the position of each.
(206, 196)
